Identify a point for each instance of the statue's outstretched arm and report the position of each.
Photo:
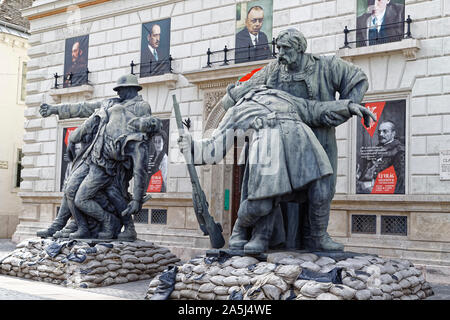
(69, 110)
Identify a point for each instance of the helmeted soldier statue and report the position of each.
(114, 152)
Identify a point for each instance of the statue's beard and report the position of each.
(288, 61)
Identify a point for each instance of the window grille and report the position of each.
(394, 225)
(141, 217)
(364, 223)
(159, 216)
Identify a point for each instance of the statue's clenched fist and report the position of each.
(47, 110)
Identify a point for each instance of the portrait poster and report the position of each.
(155, 48)
(379, 21)
(158, 161)
(380, 150)
(66, 164)
(76, 61)
(253, 31)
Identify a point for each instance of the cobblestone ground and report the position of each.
(137, 290)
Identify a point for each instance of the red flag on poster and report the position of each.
(249, 75)
(68, 132)
(156, 182)
(385, 182)
(377, 109)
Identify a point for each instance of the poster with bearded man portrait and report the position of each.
(76, 61)
(253, 31)
(380, 149)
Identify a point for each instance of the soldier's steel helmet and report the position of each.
(128, 80)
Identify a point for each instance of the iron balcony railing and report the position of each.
(154, 67)
(379, 40)
(246, 54)
(72, 79)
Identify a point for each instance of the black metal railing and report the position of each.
(242, 54)
(153, 68)
(379, 40)
(72, 79)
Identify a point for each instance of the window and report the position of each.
(23, 82)
(159, 216)
(19, 168)
(364, 223)
(394, 225)
(141, 217)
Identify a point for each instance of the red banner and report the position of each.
(385, 182)
(156, 182)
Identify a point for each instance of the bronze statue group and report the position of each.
(290, 108)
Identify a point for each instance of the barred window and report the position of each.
(141, 217)
(394, 225)
(159, 216)
(364, 223)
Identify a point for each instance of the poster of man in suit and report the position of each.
(379, 21)
(380, 150)
(253, 31)
(76, 61)
(155, 48)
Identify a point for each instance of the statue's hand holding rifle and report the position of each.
(205, 220)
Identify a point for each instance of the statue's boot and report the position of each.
(46, 233)
(59, 222)
(129, 233)
(322, 242)
(67, 230)
(318, 238)
(107, 231)
(239, 237)
(82, 226)
(261, 233)
(318, 216)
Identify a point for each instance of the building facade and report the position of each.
(13, 66)
(399, 210)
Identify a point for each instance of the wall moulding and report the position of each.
(221, 76)
(169, 79)
(86, 89)
(398, 203)
(408, 47)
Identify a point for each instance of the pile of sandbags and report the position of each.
(81, 264)
(300, 276)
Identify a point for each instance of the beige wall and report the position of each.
(13, 51)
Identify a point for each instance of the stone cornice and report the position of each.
(14, 41)
(411, 202)
(86, 89)
(221, 76)
(169, 79)
(408, 47)
(57, 7)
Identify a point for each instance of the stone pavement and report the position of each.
(12, 288)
